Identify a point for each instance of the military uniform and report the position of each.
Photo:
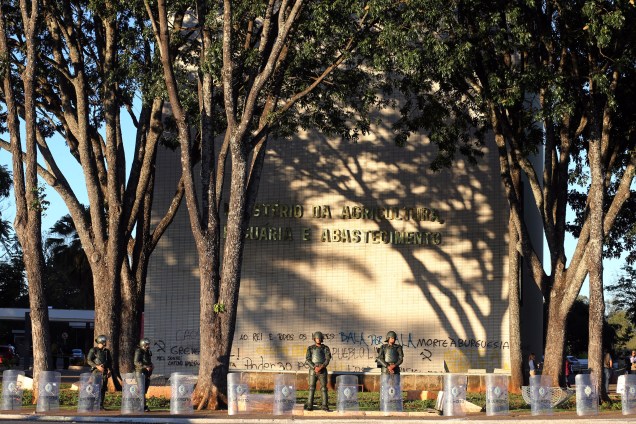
(143, 361)
(100, 356)
(390, 354)
(317, 355)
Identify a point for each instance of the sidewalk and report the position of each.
(372, 417)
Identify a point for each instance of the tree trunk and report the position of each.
(514, 319)
(218, 325)
(595, 325)
(555, 337)
(130, 329)
(107, 311)
(29, 205)
(218, 318)
(40, 333)
(210, 390)
(595, 260)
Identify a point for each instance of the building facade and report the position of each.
(353, 240)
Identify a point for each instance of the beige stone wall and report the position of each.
(352, 240)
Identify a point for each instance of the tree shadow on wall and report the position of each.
(286, 276)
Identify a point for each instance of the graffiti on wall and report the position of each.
(352, 351)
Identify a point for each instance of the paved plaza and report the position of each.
(204, 417)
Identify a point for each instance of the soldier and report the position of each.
(318, 357)
(143, 366)
(101, 363)
(390, 355)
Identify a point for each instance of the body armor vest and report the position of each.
(142, 358)
(391, 354)
(318, 355)
(100, 356)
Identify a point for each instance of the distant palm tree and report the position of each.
(68, 277)
(7, 239)
(13, 288)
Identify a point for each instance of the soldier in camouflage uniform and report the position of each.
(101, 362)
(390, 355)
(318, 357)
(143, 366)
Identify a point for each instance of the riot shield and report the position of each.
(347, 388)
(132, 396)
(89, 392)
(48, 391)
(284, 394)
(455, 395)
(586, 395)
(390, 393)
(237, 393)
(541, 395)
(181, 388)
(497, 394)
(12, 389)
(629, 395)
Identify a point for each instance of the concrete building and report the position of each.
(353, 240)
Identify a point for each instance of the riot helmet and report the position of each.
(101, 339)
(391, 334)
(145, 342)
(318, 335)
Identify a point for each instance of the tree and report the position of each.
(264, 68)
(13, 288)
(577, 336)
(545, 77)
(94, 61)
(5, 191)
(68, 278)
(624, 291)
(28, 198)
(623, 331)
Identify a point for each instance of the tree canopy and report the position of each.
(96, 66)
(551, 81)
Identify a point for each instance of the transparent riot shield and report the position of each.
(181, 388)
(237, 393)
(132, 396)
(586, 395)
(48, 391)
(89, 392)
(497, 394)
(541, 395)
(620, 384)
(284, 394)
(12, 389)
(347, 388)
(629, 395)
(455, 395)
(390, 393)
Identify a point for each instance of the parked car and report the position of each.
(574, 361)
(77, 357)
(8, 356)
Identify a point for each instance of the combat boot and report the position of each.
(309, 406)
(325, 401)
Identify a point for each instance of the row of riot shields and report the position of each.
(240, 401)
(90, 386)
(541, 395)
(543, 398)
